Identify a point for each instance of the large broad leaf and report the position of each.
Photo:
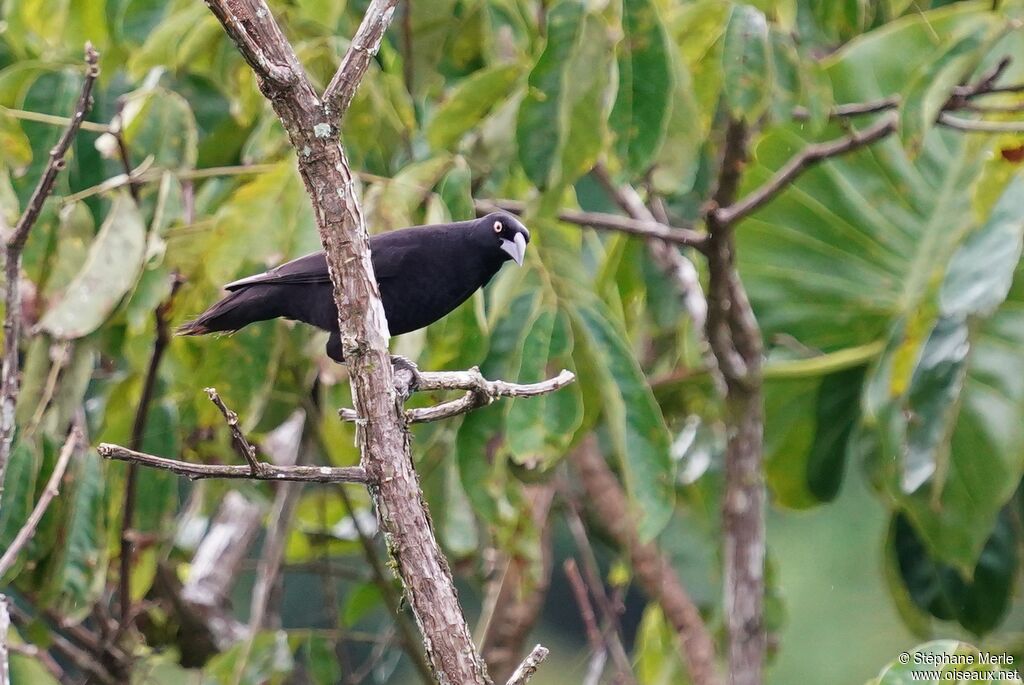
(746, 57)
(471, 100)
(110, 271)
(79, 567)
(563, 118)
(977, 601)
(636, 427)
(646, 85)
(864, 243)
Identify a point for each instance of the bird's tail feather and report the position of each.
(238, 309)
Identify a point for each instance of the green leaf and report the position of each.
(80, 570)
(746, 63)
(457, 192)
(930, 86)
(19, 490)
(837, 413)
(656, 650)
(635, 425)
(537, 129)
(980, 273)
(360, 601)
(978, 602)
(646, 86)
(112, 268)
(470, 102)
(540, 429)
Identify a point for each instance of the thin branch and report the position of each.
(52, 119)
(598, 649)
(980, 125)
(529, 667)
(242, 444)
(482, 392)
(15, 243)
(306, 474)
(610, 607)
(606, 499)
(852, 109)
(160, 340)
(800, 162)
(342, 88)
(645, 228)
(49, 492)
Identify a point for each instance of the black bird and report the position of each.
(424, 272)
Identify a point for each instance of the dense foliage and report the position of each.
(884, 282)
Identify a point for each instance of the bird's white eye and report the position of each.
(497, 227)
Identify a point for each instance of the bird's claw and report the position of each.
(400, 363)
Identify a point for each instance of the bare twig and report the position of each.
(646, 227)
(49, 492)
(800, 162)
(242, 444)
(599, 652)
(529, 667)
(308, 474)
(342, 88)
(609, 607)
(15, 243)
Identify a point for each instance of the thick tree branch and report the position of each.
(481, 392)
(606, 499)
(644, 226)
(736, 340)
(308, 474)
(383, 439)
(799, 163)
(15, 243)
(342, 88)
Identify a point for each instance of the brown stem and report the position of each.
(15, 243)
(138, 434)
(799, 163)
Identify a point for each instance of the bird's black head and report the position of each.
(507, 233)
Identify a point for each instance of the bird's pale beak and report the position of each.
(516, 248)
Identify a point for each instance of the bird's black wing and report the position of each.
(305, 270)
(391, 254)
